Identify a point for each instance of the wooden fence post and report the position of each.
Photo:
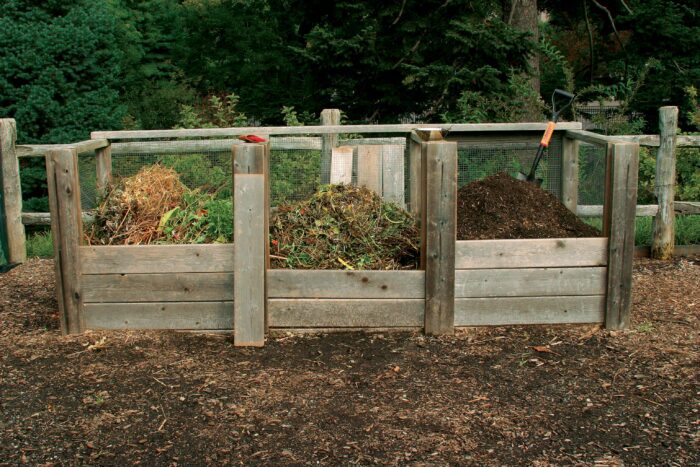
(250, 243)
(663, 239)
(569, 173)
(439, 234)
(623, 173)
(415, 178)
(328, 142)
(103, 162)
(67, 232)
(11, 193)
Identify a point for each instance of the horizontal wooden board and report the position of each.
(325, 130)
(177, 315)
(210, 145)
(144, 259)
(283, 283)
(529, 310)
(531, 253)
(680, 207)
(330, 313)
(32, 150)
(530, 282)
(171, 287)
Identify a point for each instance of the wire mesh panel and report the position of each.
(591, 188)
(478, 160)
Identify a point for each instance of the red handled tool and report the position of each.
(544, 143)
(252, 139)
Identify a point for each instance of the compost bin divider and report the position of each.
(250, 242)
(67, 231)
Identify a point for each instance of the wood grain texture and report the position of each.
(167, 287)
(283, 283)
(369, 167)
(329, 117)
(439, 233)
(623, 199)
(250, 242)
(329, 313)
(415, 177)
(173, 315)
(211, 145)
(103, 165)
(145, 259)
(341, 165)
(67, 232)
(663, 235)
(531, 253)
(82, 147)
(15, 250)
(642, 210)
(569, 173)
(325, 130)
(529, 310)
(530, 282)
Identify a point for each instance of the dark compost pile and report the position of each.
(501, 207)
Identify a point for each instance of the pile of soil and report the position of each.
(501, 207)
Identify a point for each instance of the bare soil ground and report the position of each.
(507, 396)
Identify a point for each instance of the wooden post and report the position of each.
(569, 173)
(103, 161)
(328, 142)
(11, 193)
(341, 165)
(663, 239)
(67, 232)
(622, 212)
(415, 176)
(250, 243)
(439, 234)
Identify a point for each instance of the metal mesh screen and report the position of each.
(478, 160)
(591, 172)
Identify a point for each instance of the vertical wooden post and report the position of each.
(103, 162)
(569, 173)
(439, 234)
(67, 232)
(663, 239)
(11, 193)
(415, 175)
(328, 142)
(250, 243)
(622, 212)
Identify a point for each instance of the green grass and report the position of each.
(40, 245)
(687, 229)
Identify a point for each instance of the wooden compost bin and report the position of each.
(230, 286)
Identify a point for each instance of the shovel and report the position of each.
(561, 97)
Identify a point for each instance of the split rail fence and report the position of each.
(459, 283)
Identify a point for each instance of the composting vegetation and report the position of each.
(502, 207)
(344, 227)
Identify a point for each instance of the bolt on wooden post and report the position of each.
(250, 243)
(439, 232)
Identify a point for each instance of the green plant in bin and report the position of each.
(200, 219)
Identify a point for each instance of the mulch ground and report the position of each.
(507, 396)
(503, 207)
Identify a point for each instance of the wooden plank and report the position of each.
(67, 232)
(326, 130)
(642, 210)
(283, 283)
(531, 253)
(655, 140)
(607, 189)
(369, 165)
(174, 315)
(529, 310)
(530, 282)
(103, 163)
(569, 173)
(623, 199)
(591, 138)
(34, 150)
(167, 287)
(329, 117)
(329, 313)
(90, 145)
(439, 233)
(210, 145)
(44, 218)
(663, 234)
(393, 174)
(341, 165)
(15, 249)
(680, 250)
(415, 176)
(400, 140)
(145, 259)
(250, 211)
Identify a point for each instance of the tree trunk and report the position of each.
(524, 16)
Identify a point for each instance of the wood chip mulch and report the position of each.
(508, 396)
